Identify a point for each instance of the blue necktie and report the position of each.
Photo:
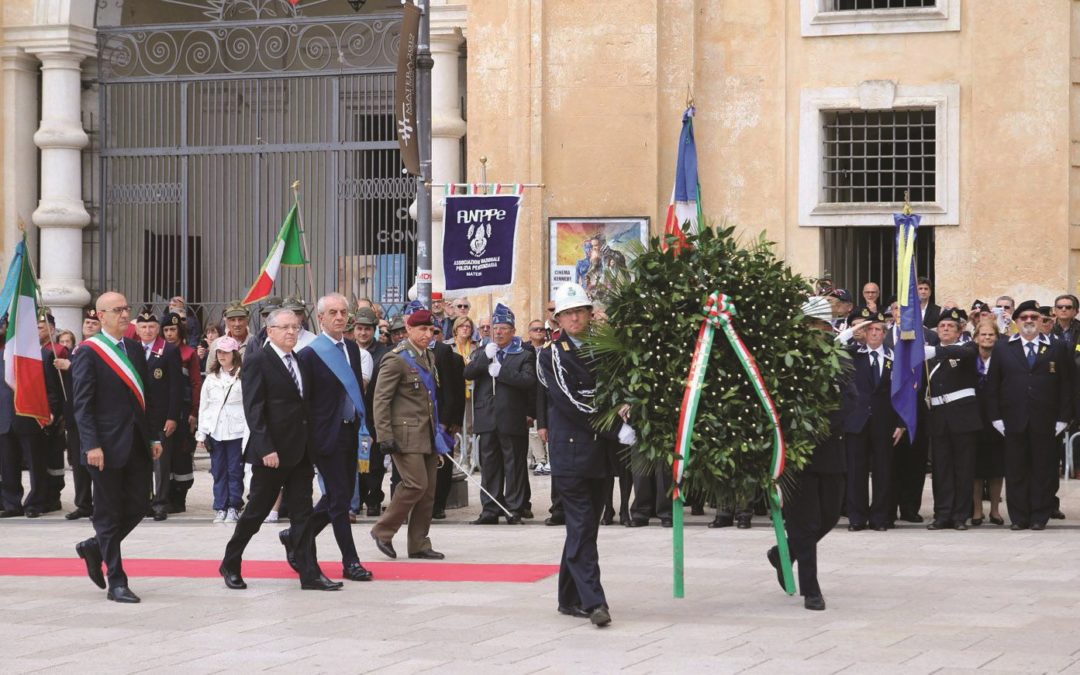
(875, 375)
(348, 410)
(1031, 354)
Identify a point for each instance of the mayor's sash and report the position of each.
(335, 360)
(119, 363)
(444, 444)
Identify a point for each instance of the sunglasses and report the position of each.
(1005, 306)
(551, 309)
(538, 329)
(1031, 317)
(1069, 307)
(462, 306)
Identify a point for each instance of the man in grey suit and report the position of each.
(503, 396)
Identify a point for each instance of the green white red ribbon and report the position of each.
(719, 311)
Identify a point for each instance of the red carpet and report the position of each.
(266, 569)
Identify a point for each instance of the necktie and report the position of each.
(981, 366)
(875, 375)
(500, 355)
(146, 351)
(348, 410)
(1031, 354)
(292, 372)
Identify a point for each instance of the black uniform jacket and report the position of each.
(872, 411)
(502, 404)
(164, 386)
(575, 446)
(952, 370)
(277, 416)
(1029, 397)
(107, 413)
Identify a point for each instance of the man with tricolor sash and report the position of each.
(118, 446)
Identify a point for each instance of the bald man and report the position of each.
(117, 445)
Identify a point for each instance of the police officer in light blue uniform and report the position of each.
(582, 457)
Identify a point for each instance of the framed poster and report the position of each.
(586, 250)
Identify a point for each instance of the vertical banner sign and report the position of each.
(479, 238)
(405, 90)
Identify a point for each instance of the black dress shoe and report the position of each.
(911, 518)
(33, 513)
(427, 554)
(486, 519)
(76, 514)
(90, 553)
(607, 519)
(356, 572)
(233, 580)
(122, 594)
(160, 514)
(773, 554)
(600, 616)
(722, 521)
(814, 602)
(743, 522)
(879, 528)
(1057, 515)
(1038, 526)
(637, 523)
(555, 520)
(12, 513)
(575, 611)
(438, 515)
(374, 511)
(527, 514)
(976, 522)
(513, 520)
(997, 521)
(665, 522)
(386, 547)
(55, 505)
(1017, 526)
(697, 510)
(856, 528)
(959, 525)
(624, 519)
(939, 525)
(320, 583)
(290, 554)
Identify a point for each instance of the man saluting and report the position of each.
(117, 445)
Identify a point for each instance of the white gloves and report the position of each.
(929, 352)
(1059, 427)
(493, 368)
(999, 425)
(491, 349)
(627, 435)
(844, 336)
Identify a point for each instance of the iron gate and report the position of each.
(204, 129)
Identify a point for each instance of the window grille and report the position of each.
(850, 5)
(852, 256)
(875, 156)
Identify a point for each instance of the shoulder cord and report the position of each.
(560, 379)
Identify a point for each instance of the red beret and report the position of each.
(420, 317)
(435, 295)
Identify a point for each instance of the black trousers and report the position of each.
(266, 483)
(163, 470)
(811, 511)
(579, 569)
(55, 447)
(11, 489)
(338, 471)
(1030, 470)
(443, 479)
(79, 474)
(371, 492)
(626, 482)
(15, 450)
(182, 463)
(954, 475)
(503, 471)
(121, 498)
(869, 458)
(651, 498)
(909, 469)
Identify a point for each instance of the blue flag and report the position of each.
(908, 354)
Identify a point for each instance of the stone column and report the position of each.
(447, 129)
(20, 158)
(61, 215)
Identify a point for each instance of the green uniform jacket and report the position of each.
(401, 405)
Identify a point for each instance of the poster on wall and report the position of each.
(587, 250)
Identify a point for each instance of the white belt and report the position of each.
(949, 398)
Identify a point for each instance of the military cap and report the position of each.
(1046, 311)
(235, 310)
(171, 319)
(365, 316)
(1026, 306)
(502, 314)
(146, 316)
(397, 324)
(414, 306)
(864, 314)
(91, 313)
(294, 304)
(45, 315)
(980, 306)
(841, 294)
(270, 304)
(955, 315)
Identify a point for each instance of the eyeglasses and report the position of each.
(485, 327)
(537, 329)
(1069, 307)
(119, 310)
(551, 309)
(1005, 306)
(462, 306)
(1030, 317)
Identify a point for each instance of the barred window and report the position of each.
(875, 156)
(849, 5)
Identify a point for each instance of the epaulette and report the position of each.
(566, 345)
(400, 347)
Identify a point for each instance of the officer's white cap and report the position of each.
(571, 296)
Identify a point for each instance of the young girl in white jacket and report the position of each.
(222, 427)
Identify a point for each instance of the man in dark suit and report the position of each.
(955, 421)
(276, 395)
(1029, 403)
(338, 417)
(118, 445)
(370, 492)
(451, 395)
(504, 373)
(871, 430)
(930, 311)
(164, 399)
(582, 456)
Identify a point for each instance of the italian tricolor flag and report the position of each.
(23, 370)
(285, 251)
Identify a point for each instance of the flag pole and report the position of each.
(915, 263)
(303, 240)
(41, 303)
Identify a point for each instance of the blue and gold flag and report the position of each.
(908, 353)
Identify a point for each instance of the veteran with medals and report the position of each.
(164, 403)
(118, 444)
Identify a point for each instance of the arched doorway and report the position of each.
(210, 109)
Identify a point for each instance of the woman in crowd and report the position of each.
(223, 426)
(384, 331)
(990, 453)
(203, 350)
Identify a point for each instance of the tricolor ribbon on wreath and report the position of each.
(719, 311)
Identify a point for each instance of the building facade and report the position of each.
(151, 145)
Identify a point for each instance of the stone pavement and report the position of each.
(904, 601)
